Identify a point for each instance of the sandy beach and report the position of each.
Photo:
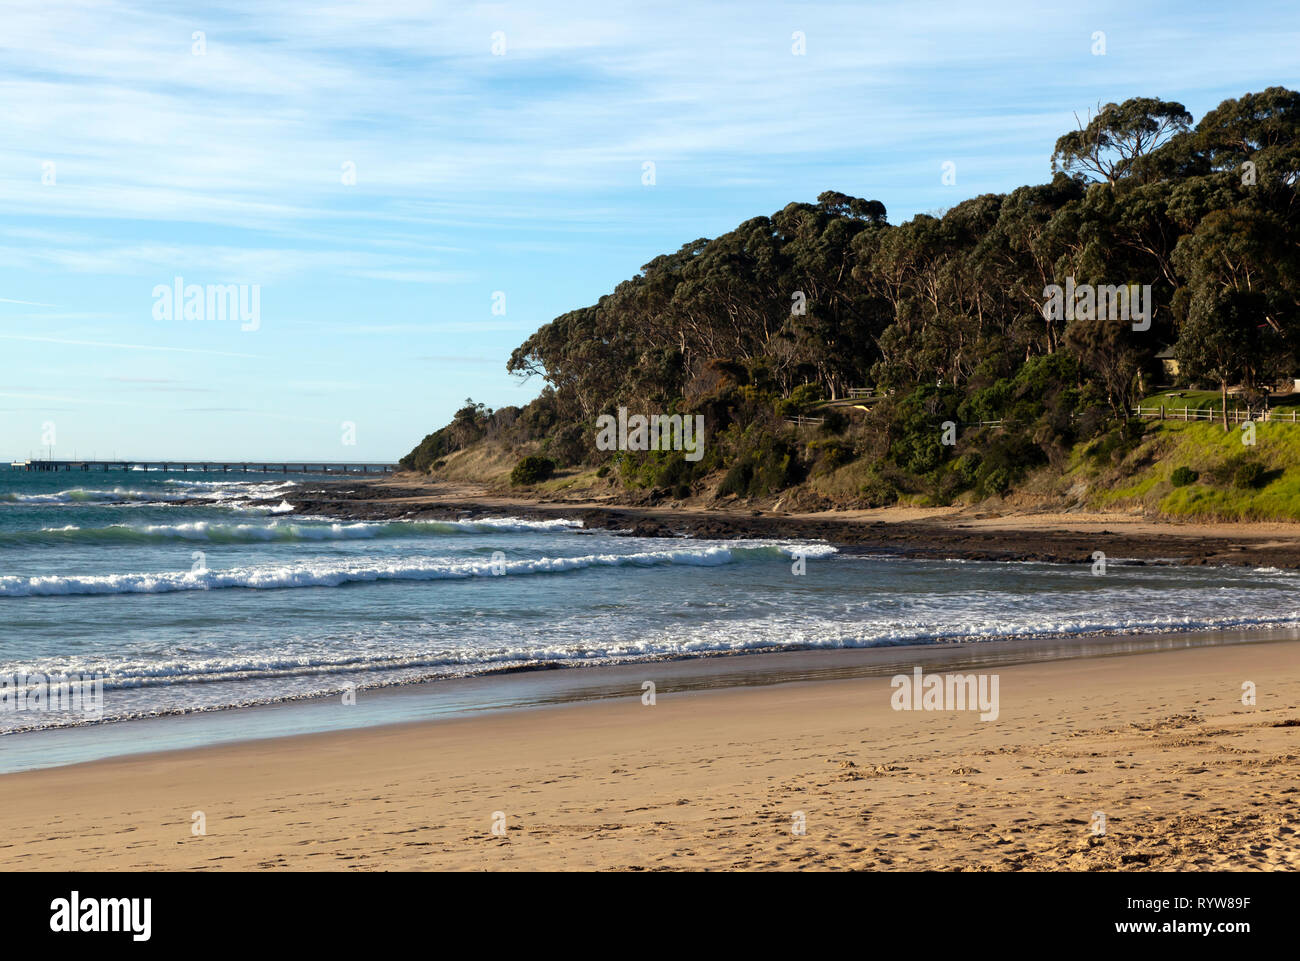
(1186, 776)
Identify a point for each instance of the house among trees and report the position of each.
(1168, 364)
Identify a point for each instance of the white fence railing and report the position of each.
(1206, 413)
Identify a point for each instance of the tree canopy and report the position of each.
(945, 313)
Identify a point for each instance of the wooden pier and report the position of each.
(207, 467)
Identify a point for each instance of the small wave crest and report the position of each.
(86, 495)
(217, 493)
(337, 574)
(277, 531)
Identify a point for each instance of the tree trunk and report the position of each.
(1223, 392)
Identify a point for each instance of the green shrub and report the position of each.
(878, 492)
(1239, 471)
(657, 468)
(737, 479)
(1117, 443)
(996, 480)
(1007, 456)
(532, 470)
(801, 400)
(771, 466)
(569, 444)
(917, 445)
(669, 469)
(966, 468)
(1248, 474)
(831, 454)
(1183, 476)
(833, 421)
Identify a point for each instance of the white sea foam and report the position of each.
(306, 529)
(745, 635)
(83, 495)
(219, 493)
(337, 573)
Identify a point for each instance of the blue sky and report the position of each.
(478, 172)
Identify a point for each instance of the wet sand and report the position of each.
(1186, 776)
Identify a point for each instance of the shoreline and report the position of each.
(589, 777)
(545, 686)
(934, 533)
(710, 778)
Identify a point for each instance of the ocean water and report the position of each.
(185, 596)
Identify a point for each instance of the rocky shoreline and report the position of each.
(936, 539)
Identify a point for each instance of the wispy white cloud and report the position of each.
(254, 132)
(25, 303)
(104, 344)
(128, 159)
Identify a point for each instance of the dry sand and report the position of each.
(1186, 776)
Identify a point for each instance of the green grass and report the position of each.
(1142, 478)
(1134, 491)
(1180, 400)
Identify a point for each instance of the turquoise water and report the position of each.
(186, 596)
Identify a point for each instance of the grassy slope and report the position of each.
(489, 465)
(1141, 480)
(1138, 479)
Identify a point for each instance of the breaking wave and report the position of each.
(340, 573)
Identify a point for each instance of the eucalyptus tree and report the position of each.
(1109, 146)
